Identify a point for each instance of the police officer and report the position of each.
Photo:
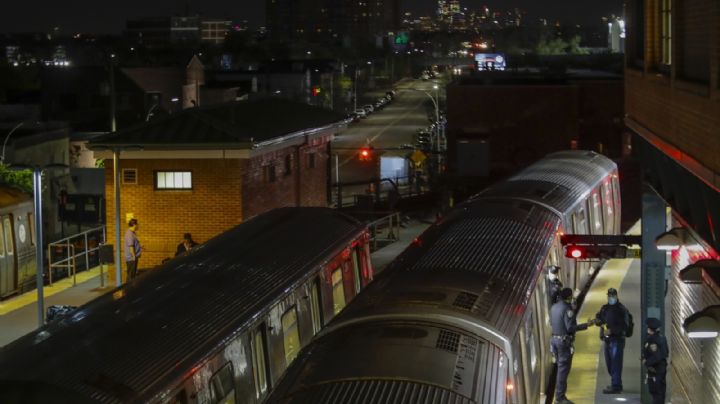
(564, 326)
(615, 319)
(555, 285)
(654, 356)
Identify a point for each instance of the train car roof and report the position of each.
(560, 180)
(487, 251)
(116, 347)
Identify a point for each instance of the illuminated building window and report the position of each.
(666, 31)
(173, 180)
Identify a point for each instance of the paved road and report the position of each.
(391, 127)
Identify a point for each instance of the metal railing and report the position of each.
(384, 231)
(76, 253)
(354, 193)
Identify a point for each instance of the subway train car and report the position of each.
(17, 242)
(220, 325)
(462, 316)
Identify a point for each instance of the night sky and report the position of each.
(108, 16)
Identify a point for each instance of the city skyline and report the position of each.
(110, 18)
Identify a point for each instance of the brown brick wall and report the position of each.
(304, 186)
(683, 113)
(164, 216)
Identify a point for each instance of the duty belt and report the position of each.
(561, 336)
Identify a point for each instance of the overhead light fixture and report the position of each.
(693, 273)
(703, 324)
(672, 239)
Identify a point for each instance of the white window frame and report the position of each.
(173, 180)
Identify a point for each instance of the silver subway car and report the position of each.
(17, 242)
(462, 315)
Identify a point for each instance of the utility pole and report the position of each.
(355, 89)
(113, 123)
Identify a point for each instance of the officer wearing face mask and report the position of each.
(564, 326)
(654, 357)
(617, 324)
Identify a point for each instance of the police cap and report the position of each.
(554, 269)
(612, 292)
(653, 323)
(566, 293)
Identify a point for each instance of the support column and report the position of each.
(652, 268)
(39, 245)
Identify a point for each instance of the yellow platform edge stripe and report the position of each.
(30, 297)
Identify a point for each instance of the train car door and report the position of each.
(8, 262)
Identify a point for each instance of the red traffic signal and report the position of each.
(587, 252)
(365, 153)
(575, 251)
(316, 91)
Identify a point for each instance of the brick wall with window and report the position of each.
(293, 183)
(678, 102)
(211, 204)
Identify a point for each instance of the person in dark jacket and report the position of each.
(564, 325)
(187, 244)
(615, 319)
(555, 285)
(654, 356)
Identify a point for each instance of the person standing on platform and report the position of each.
(564, 325)
(555, 284)
(616, 322)
(133, 249)
(654, 357)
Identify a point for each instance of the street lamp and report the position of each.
(39, 247)
(2, 157)
(116, 175)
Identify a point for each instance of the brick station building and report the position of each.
(205, 170)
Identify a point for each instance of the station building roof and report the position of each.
(233, 125)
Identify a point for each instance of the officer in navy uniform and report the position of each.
(654, 356)
(616, 319)
(564, 326)
(555, 284)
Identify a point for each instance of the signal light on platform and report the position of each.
(316, 91)
(574, 251)
(365, 153)
(596, 252)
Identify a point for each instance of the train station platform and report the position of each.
(18, 314)
(589, 375)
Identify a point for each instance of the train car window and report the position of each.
(315, 307)
(338, 291)
(291, 335)
(31, 225)
(2, 241)
(608, 205)
(356, 269)
(260, 370)
(597, 218)
(222, 384)
(9, 240)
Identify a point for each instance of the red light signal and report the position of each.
(365, 153)
(574, 251)
(316, 91)
(595, 252)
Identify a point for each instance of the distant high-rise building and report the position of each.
(161, 31)
(332, 21)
